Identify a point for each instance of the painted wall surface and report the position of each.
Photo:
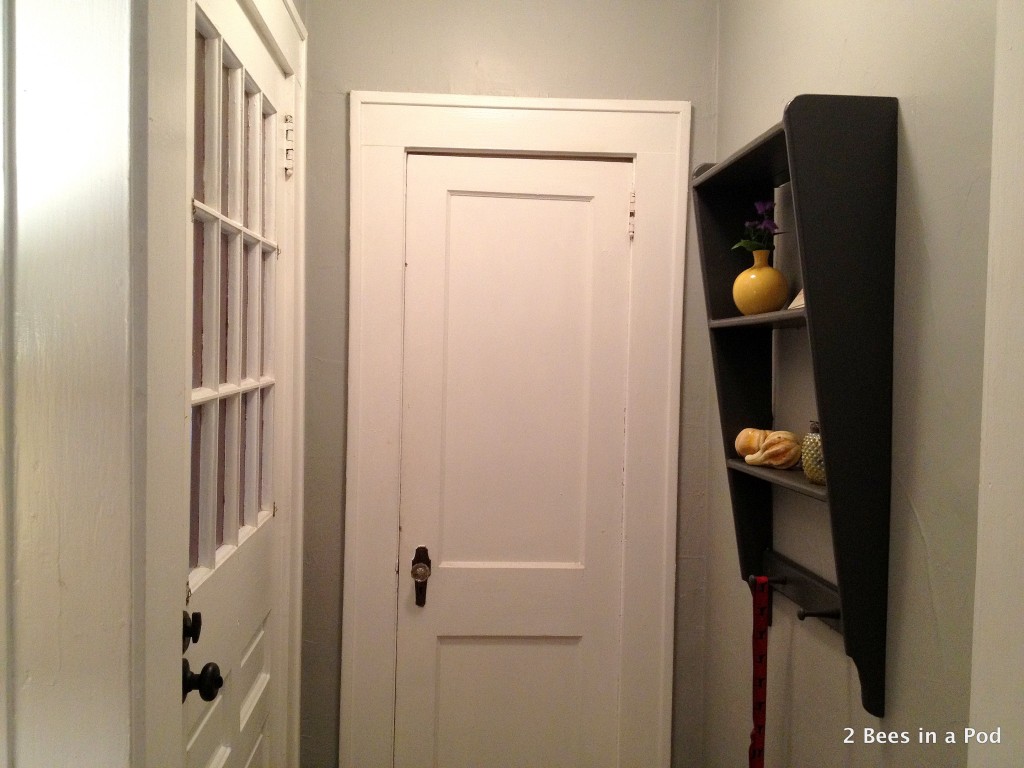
(532, 48)
(739, 63)
(997, 682)
(937, 58)
(70, 460)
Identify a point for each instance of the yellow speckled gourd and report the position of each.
(813, 458)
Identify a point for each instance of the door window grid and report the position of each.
(232, 314)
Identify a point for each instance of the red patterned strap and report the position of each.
(759, 645)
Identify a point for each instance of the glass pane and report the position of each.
(251, 254)
(195, 499)
(199, 128)
(251, 158)
(267, 180)
(225, 142)
(225, 323)
(266, 312)
(244, 320)
(198, 265)
(222, 421)
(250, 455)
(243, 440)
(266, 445)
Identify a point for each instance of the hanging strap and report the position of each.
(760, 590)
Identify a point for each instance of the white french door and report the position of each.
(241, 105)
(235, 291)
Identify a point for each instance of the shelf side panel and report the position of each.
(842, 154)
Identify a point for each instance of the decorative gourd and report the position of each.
(780, 450)
(750, 440)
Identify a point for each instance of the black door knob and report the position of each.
(191, 626)
(420, 574)
(207, 682)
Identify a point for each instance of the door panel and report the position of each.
(502, 421)
(481, 692)
(514, 393)
(235, 635)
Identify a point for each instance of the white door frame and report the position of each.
(383, 127)
(160, 571)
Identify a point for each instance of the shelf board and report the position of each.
(794, 480)
(784, 318)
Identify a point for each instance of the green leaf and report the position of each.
(753, 245)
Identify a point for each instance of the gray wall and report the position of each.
(940, 65)
(997, 687)
(572, 48)
(738, 62)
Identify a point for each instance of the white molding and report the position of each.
(625, 106)
(383, 126)
(293, 586)
(281, 29)
(8, 212)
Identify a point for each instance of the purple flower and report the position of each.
(760, 233)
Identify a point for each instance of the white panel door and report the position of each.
(513, 450)
(511, 353)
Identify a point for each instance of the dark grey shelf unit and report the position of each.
(839, 155)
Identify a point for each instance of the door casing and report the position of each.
(384, 127)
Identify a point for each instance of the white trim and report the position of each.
(383, 127)
(518, 103)
(281, 29)
(300, 27)
(997, 687)
(8, 213)
(293, 598)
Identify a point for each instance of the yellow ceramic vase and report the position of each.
(761, 288)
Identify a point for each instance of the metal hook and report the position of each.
(832, 613)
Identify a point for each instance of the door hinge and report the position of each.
(289, 145)
(632, 213)
(274, 512)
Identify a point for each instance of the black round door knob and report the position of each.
(191, 626)
(207, 682)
